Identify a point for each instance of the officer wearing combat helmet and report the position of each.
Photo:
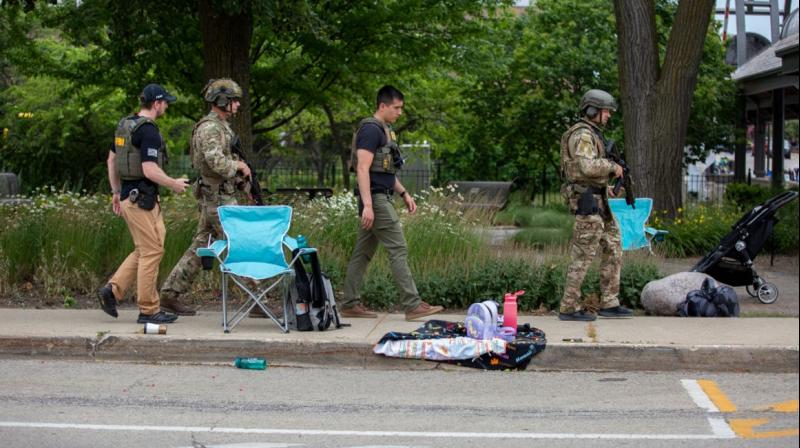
(376, 158)
(586, 171)
(212, 156)
(135, 170)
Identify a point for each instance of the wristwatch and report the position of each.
(403, 193)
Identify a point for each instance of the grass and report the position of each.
(66, 244)
(540, 226)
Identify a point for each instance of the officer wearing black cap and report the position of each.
(135, 171)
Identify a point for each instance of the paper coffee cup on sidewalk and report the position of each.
(155, 329)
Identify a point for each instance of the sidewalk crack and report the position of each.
(96, 342)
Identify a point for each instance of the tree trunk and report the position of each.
(657, 100)
(339, 145)
(226, 54)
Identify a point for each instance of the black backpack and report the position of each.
(710, 301)
(312, 304)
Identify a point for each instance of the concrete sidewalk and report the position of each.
(640, 344)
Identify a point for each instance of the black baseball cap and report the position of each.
(154, 92)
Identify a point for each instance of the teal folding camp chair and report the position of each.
(253, 249)
(635, 234)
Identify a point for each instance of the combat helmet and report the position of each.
(221, 91)
(599, 99)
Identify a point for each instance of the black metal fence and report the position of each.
(273, 176)
(707, 188)
(543, 187)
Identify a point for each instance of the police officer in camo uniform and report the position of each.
(221, 173)
(587, 171)
(376, 158)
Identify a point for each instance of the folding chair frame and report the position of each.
(254, 298)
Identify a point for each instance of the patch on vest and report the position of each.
(119, 141)
(585, 147)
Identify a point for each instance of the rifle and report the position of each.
(624, 181)
(255, 187)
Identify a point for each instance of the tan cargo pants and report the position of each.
(148, 232)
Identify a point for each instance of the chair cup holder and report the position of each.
(207, 262)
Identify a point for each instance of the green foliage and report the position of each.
(492, 93)
(785, 237)
(746, 196)
(490, 279)
(541, 226)
(540, 237)
(66, 140)
(693, 231)
(700, 228)
(523, 97)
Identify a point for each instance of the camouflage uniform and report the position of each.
(212, 157)
(584, 164)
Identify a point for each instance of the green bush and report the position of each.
(694, 231)
(491, 279)
(746, 196)
(545, 236)
(541, 226)
(700, 228)
(785, 234)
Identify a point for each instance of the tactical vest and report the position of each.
(129, 158)
(569, 167)
(210, 177)
(383, 161)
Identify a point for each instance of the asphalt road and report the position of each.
(88, 404)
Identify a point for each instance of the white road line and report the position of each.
(699, 396)
(323, 432)
(719, 427)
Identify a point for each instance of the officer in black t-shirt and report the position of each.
(148, 140)
(135, 170)
(371, 136)
(376, 158)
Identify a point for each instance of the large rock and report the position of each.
(662, 297)
(9, 185)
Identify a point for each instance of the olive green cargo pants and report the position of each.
(387, 231)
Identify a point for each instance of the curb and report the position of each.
(557, 356)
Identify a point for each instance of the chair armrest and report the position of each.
(291, 244)
(214, 250)
(656, 234)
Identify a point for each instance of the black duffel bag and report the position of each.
(710, 301)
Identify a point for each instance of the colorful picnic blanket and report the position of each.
(439, 340)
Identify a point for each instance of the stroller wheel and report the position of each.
(753, 289)
(767, 293)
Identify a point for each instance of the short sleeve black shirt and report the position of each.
(371, 137)
(148, 140)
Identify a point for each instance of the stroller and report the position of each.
(732, 261)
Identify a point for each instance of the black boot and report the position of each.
(172, 305)
(616, 312)
(581, 315)
(107, 300)
(158, 318)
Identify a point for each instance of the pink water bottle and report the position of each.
(510, 309)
